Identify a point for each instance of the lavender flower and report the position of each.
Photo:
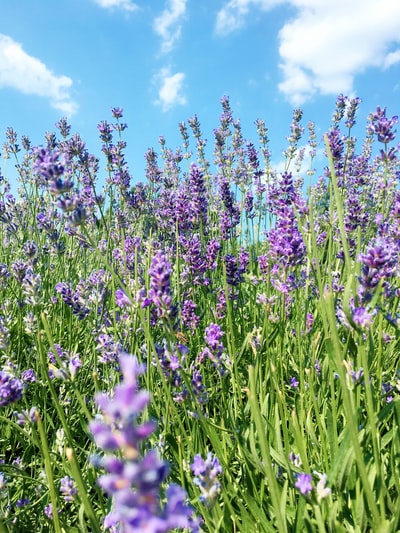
(189, 318)
(303, 483)
(29, 376)
(382, 126)
(131, 480)
(30, 249)
(48, 511)
(25, 416)
(22, 502)
(377, 263)
(121, 299)
(63, 364)
(63, 127)
(68, 489)
(160, 289)
(213, 334)
(49, 164)
(206, 472)
(362, 317)
(10, 388)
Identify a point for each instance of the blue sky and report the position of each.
(163, 61)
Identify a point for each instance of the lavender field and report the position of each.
(215, 348)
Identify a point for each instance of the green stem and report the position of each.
(351, 418)
(49, 472)
(265, 452)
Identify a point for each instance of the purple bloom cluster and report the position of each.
(382, 126)
(134, 481)
(303, 483)
(160, 285)
(173, 362)
(206, 477)
(378, 264)
(73, 299)
(63, 365)
(68, 489)
(11, 388)
(49, 165)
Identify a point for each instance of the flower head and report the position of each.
(131, 479)
(303, 483)
(206, 472)
(10, 388)
(68, 489)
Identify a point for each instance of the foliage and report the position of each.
(260, 312)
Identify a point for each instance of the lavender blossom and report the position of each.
(29, 376)
(49, 164)
(160, 288)
(11, 388)
(121, 298)
(189, 318)
(133, 481)
(68, 489)
(378, 263)
(213, 334)
(63, 127)
(382, 126)
(215, 349)
(206, 472)
(303, 483)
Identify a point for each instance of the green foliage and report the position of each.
(283, 402)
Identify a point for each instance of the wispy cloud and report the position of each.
(170, 89)
(124, 5)
(326, 44)
(29, 75)
(391, 59)
(168, 25)
(232, 15)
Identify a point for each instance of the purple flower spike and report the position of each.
(121, 299)
(206, 473)
(68, 489)
(160, 288)
(303, 483)
(10, 388)
(213, 334)
(382, 126)
(49, 165)
(132, 480)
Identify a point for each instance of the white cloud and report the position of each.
(232, 15)
(125, 5)
(391, 59)
(329, 43)
(326, 43)
(170, 91)
(167, 25)
(29, 75)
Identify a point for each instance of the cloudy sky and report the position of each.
(163, 61)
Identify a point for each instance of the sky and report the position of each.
(164, 61)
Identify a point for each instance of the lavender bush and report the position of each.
(215, 348)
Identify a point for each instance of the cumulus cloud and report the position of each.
(325, 44)
(391, 59)
(29, 75)
(168, 26)
(170, 89)
(232, 15)
(329, 43)
(125, 5)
